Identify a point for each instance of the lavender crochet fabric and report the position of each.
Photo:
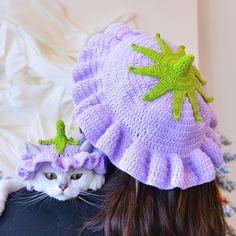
(141, 138)
(71, 157)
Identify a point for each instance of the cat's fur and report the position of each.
(88, 180)
(8, 186)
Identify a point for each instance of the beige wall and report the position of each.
(174, 19)
(217, 49)
(217, 53)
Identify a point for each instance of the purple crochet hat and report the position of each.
(141, 101)
(75, 152)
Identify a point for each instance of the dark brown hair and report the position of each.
(135, 209)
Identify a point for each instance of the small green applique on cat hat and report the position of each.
(60, 140)
(62, 153)
(142, 101)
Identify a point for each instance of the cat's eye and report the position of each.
(76, 176)
(50, 175)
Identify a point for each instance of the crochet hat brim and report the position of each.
(96, 161)
(194, 168)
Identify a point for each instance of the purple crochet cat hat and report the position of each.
(62, 153)
(143, 103)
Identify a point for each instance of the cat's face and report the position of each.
(64, 186)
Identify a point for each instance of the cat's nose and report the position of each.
(63, 186)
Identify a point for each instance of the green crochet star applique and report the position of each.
(60, 140)
(176, 72)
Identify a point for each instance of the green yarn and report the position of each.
(60, 140)
(176, 72)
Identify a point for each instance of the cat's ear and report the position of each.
(32, 149)
(86, 147)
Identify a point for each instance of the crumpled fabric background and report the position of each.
(38, 46)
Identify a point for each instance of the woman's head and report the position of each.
(143, 103)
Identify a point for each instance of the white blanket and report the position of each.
(38, 46)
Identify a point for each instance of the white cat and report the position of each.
(64, 186)
(56, 184)
(61, 186)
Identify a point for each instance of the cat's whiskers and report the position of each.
(90, 203)
(27, 196)
(30, 200)
(44, 202)
(93, 194)
(75, 202)
(50, 201)
(88, 193)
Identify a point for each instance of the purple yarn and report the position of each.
(140, 138)
(71, 157)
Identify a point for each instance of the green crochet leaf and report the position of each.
(60, 140)
(176, 73)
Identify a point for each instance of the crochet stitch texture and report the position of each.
(60, 140)
(141, 138)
